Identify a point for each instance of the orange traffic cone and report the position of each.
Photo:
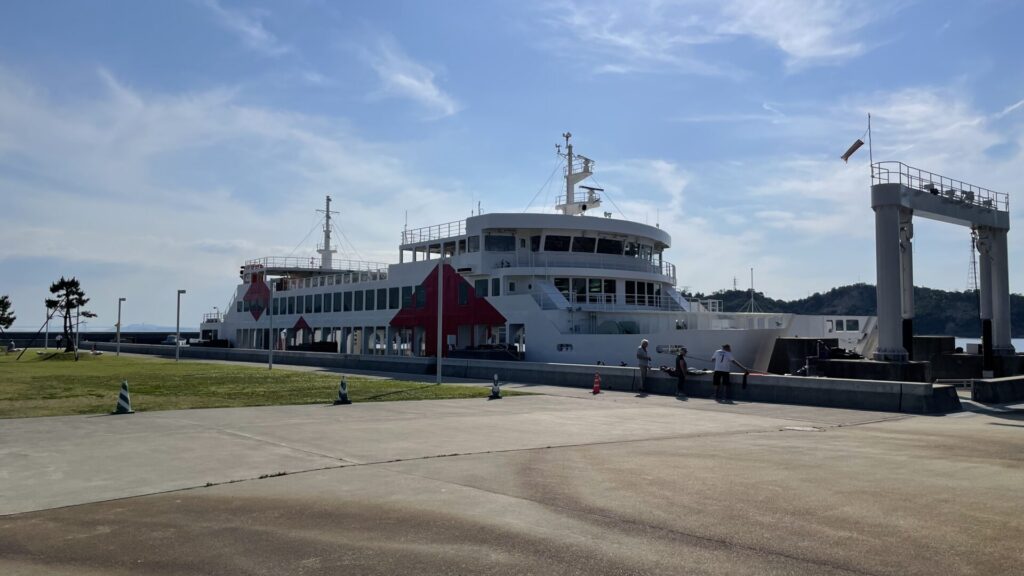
(597, 383)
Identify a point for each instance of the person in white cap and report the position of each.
(643, 359)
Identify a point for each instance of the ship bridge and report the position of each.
(529, 243)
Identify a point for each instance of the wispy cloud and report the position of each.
(808, 32)
(403, 77)
(248, 26)
(680, 35)
(647, 37)
(184, 187)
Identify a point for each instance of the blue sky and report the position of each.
(150, 146)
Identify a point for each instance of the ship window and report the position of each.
(291, 304)
(330, 280)
(462, 246)
(245, 305)
(594, 290)
(238, 306)
(557, 243)
(522, 242)
(631, 249)
(646, 251)
(318, 303)
(327, 302)
(579, 289)
(406, 296)
(852, 325)
(582, 244)
(494, 243)
(630, 291)
(463, 293)
(421, 296)
(359, 300)
(274, 309)
(370, 300)
(511, 286)
(495, 286)
(393, 300)
(309, 303)
(474, 243)
(347, 302)
(306, 283)
(609, 246)
(534, 243)
(840, 326)
(562, 285)
(481, 288)
(337, 301)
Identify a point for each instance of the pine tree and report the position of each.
(7, 316)
(69, 299)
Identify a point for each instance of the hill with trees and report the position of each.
(936, 311)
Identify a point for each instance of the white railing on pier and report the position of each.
(435, 232)
(956, 190)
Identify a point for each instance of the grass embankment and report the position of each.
(53, 384)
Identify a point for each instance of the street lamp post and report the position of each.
(270, 332)
(177, 329)
(119, 300)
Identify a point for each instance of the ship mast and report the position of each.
(577, 169)
(325, 249)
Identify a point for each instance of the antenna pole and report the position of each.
(871, 155)
(326, 251)
(751, 289)
(568, 170)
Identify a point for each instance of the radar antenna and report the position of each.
(577, 169)
(325, 250)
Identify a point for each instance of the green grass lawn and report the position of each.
(53, 384)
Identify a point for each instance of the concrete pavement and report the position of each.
(561, 483)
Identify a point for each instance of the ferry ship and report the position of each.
(575, 286)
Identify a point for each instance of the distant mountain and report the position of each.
(936, 311)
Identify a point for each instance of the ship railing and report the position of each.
(312, 264)
(435, 232)
(578, 260)
(949, 188)
(213, 317)
(609, 301)
(705, 305)
(587, 196)
(337, 279)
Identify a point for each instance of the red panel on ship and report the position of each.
(477, 311)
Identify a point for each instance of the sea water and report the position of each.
(1018, 343)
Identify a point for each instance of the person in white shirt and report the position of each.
(643, 359)
(723, 359)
